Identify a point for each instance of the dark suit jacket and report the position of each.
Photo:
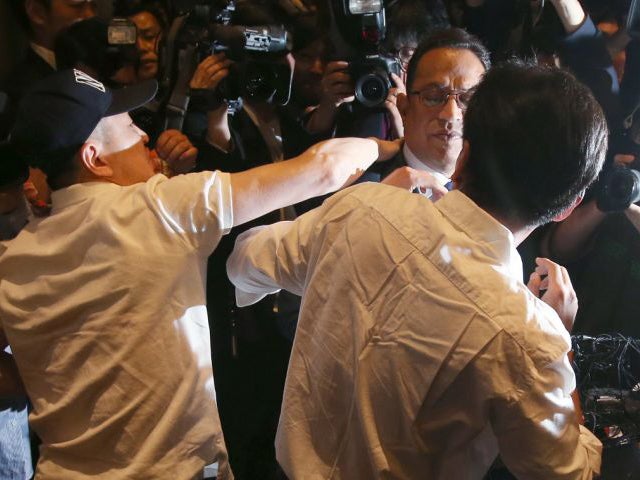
(31, 69)
(380, 170)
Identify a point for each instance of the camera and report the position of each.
(358, 29)
(620, 187)
(372, 78)
(257, 73)
(99, 47)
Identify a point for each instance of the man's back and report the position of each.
(103, 306)
(407, 358)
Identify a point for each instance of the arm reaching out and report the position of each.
(571, 14)
(323, 168)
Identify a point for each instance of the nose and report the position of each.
(89, 9)
(142, 133)
(143, 44)
(451, 111)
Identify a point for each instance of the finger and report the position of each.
(215, 80)
(542, 265)
(189, 155)
(210, 60)
(623, 159)
(186, 162)
(534, 284)
(226, 63)
(338, 77)
(544, 283)
(165, 136)
(170, 141)
(178, 150)
(552, 269)
(397, 81)
(216, 67)
(336, 66)
(438, 191)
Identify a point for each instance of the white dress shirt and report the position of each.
(103, 304)
(419, 354)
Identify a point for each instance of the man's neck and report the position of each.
(414, 162)
(519, 231)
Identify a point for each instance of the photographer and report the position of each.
(251, 346)
(336, 114)
(598, 242)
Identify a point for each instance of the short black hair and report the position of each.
(455, 38)
(537, 139)
(129, 8)
(409, 21)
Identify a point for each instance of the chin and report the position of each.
(148, 72)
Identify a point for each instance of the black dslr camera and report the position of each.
(372, 78)
(359, 27)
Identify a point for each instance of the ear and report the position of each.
(402, 103)
(565, 213)
(36, 11)
(461, 162)
(92, 161)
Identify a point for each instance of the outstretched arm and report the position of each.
(323, 168)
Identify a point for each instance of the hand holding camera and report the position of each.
(337, 87)
(210, 72)
(391, 105)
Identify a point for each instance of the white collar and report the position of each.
(47, 55)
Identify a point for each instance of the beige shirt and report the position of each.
(103, 304)
(419, 354)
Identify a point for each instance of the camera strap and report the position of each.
(179, 100)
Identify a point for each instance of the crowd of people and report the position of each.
(181, 287)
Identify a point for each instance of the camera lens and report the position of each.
(621, 188)
(372, 90)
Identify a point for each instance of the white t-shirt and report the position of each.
(103, 304)
(419, 351)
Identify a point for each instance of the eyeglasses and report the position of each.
(437, 97)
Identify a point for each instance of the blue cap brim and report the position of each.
(129, 98)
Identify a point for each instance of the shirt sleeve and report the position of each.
(538, 434)
(270, 258)
(196, 206)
